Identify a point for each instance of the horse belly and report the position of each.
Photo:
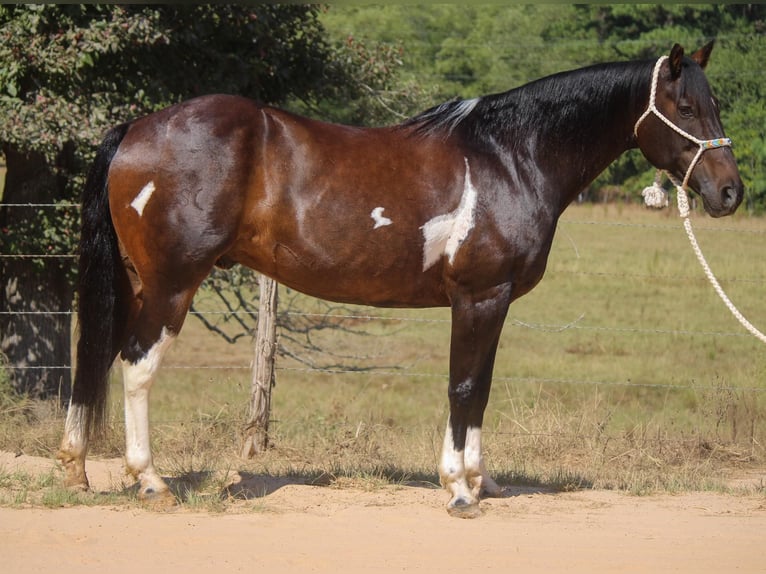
(387, 274)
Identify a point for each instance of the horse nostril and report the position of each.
(731, 195)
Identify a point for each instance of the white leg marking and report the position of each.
(476, 473)
(452, 471)
(377, 217)
(74, 446)
(138, 379)
(472, 456)
(444, 234)
(142, 198)
(75, 439)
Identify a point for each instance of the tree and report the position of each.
(462, 51)
(69, 72)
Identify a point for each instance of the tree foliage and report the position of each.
(468, 50)
(69, 72)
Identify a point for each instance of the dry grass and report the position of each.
(621, 370)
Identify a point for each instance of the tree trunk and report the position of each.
(35, 294)
(257, 428)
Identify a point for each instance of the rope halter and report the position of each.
(654, 196)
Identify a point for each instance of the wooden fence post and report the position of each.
(257, 427)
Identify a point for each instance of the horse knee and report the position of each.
(462, 394)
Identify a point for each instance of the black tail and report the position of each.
(98, 310)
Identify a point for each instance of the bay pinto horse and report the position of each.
(455, 207)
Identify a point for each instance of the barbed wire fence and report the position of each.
(368, 316)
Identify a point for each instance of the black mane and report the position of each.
(442, 117)
(566, 105)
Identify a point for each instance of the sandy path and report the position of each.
(300, 528)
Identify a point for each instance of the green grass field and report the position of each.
(622, 369)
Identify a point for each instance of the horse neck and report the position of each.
(571, 125)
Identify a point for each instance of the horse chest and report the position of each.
(512, 250)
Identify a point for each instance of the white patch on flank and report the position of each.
(377, 217)
(138, 378)
(142, 198)
(444, 234)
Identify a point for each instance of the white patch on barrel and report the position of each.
(140, 201)
(377, 217)
(444, 233)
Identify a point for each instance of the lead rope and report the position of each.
(654, 196)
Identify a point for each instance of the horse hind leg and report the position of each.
(75, 441)
(74, 447)
(138, 378)
(153, 332)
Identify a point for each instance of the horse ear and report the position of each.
(702, 55)
(675, 59)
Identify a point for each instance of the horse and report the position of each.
(455, 207)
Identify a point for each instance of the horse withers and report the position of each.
(454, 207)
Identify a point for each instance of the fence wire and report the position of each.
(542, 327)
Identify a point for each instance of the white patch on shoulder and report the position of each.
(444, 234)
(377, 217)
(142, 198)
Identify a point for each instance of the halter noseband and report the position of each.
(703, 144)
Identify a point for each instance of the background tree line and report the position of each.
(68, 73)
(466, 51)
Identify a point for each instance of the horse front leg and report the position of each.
(477, 322)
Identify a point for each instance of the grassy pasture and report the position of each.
(622, 369)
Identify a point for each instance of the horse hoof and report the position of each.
(462, 508)
(74, 473)
(157, 499)
(77, 486)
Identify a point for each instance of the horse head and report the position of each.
(681, 133)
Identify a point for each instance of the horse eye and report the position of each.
(686, 111)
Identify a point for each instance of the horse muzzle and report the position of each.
(724, 199)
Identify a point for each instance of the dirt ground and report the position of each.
(302, 528)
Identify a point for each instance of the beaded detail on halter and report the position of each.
(718, 142)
